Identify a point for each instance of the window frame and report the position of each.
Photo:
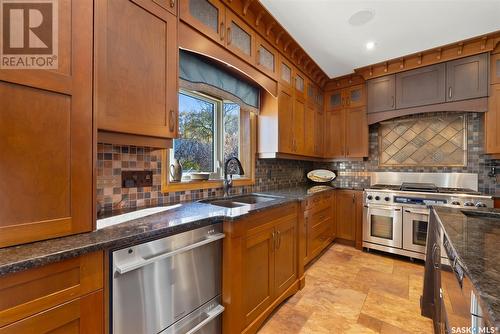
(246, 149)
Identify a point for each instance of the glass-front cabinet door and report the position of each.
(240, 38)
(334, 101)
(267, 58)
(356, 96)
(207, 16)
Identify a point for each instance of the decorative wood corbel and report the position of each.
(371, 70)
(287, 45)
(483, 42)
(270, 28)
(440, 53)
(419, 59)
(386, 67)
(460, 48)
(402, 63)
(293, 52)
(259, 18)
(278, 37)
(245, 6)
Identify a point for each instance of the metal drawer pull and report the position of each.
(143, 262)
(212, 314)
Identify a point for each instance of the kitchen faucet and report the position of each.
(228, 183)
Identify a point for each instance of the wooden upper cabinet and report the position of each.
(356, 127)
(206, 16)
(467, 78)
(421, 86)
(266, 58)
(142, 99)
(335, 100)
(355, 96)
(310, 93)
(298, 129)
(492, 121)
(381, 93)
(300, 85)
(286, 75)
(319, 126)
(334, 143)
(495, 68)
(46, 138)
(285, 120)
(240, 38)
(309, 130)
(170, 5)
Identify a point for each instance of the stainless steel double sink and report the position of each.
(242, 200)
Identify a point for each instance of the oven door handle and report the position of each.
(381, 207)
(212, 314)
(426, 213)
(125, 268)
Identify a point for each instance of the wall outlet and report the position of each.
(137, 178)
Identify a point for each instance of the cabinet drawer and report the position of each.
(320, 235)
(82, 315)
(317, 202)
(32, 291)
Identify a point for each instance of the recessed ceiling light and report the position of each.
(362, 17)
(370, 45)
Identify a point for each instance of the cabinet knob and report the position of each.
(450, 92)
(222, 30)
(172, 3)
(229, 37)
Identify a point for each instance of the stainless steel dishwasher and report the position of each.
(169, 285)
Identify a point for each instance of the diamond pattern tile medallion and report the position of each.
(424, 142)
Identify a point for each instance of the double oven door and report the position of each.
(383, 225)
(415, 225)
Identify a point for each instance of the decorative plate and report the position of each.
(321, 175)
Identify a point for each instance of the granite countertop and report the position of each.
(476, 240)
(176, 219)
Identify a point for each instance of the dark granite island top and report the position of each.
(476, 239)
(175, 219)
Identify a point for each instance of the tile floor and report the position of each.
(349, 291)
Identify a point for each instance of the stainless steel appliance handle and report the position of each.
(426, 213)
(212, 314)
(122, 269)
(383, 207)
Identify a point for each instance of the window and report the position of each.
(209, 134)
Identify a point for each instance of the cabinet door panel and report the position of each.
(46, 139)
(267, 58)
(420, 87)
(495, 69)
(334, 100)
(492, 121)
(206, 16)
(334, 134)
(285, 119)
(346, 214)
(285, 256)
(467, 78)
(309, 134)
(381, 93)
(319, 125)
(258, 273)
(286, 73)
(356, 96)
(299, 126)
(81, 315)
(356, 126)
(240, 38)
(136, 94)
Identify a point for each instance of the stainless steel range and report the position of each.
(396, 207)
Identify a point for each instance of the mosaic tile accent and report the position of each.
(434, 141)
(356, 173)
(112, 159)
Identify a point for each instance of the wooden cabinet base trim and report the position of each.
(257, 323)
(47, 229)
(345, 242)
(472, 105)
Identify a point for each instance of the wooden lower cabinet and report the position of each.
(260, 267)
(349, 216)
(319, 228)
(62, 297)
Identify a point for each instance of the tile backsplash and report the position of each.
(357, 173)
(113, 159)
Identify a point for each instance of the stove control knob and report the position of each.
(370, 197)
(468, 204)
(455, 203)
(377, 198)
(387, 198)
(480, 205)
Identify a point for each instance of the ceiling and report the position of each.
(398, 27)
